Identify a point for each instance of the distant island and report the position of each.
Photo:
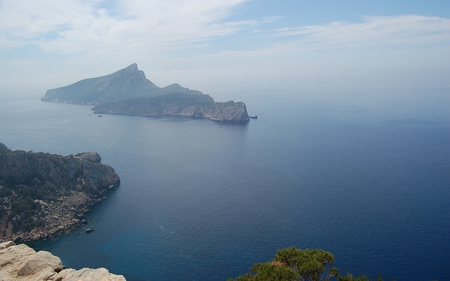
(43, 195)
(129, 92)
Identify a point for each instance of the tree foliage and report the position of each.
(292, 264)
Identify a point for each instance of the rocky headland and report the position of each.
(194, 105)
(20, 262)
(129, 92)
(43, 195)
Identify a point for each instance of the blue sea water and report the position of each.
(202, 200)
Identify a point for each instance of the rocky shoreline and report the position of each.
(183, 105)
(20, 262)
(45, 195)
(60, 217)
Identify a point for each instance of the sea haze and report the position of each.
(202, 200)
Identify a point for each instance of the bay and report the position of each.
(203, 200)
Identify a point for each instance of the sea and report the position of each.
(368, 181)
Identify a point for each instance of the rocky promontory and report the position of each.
(129, 92)
(43, 195)
(20, 262)
(196, 105)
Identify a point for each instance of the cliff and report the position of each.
(129, 92)
(186, 105)
(43, 195)
(20, 262)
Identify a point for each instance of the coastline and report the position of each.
(44, 195)
(62, 216)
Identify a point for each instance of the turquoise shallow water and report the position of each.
(201, 200)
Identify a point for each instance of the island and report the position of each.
(44, 195)
(129, 92)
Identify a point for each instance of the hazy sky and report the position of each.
(225, 45)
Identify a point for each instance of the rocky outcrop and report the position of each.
(128, 92)
(178, 104)
(22, 263)
(43, 195)
(228, 111)
(59, 216)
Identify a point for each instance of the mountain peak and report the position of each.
(129, 70)
(132, 66)
(129, 82)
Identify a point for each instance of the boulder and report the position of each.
(22, 263)
(90, 156)
(7, 244)
(88, 274)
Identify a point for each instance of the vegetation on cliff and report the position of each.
(292, 264)
(129, 92)
(43, 195)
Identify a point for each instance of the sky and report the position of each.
(228, 46)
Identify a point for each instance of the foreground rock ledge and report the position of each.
(20, 262)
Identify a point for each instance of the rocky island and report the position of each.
(129, 92)
(43, 195)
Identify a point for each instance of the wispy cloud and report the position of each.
(373, 31)
(81, 37)
(145, 27)
(85, 26)
(271, 19)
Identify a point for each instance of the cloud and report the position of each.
(142, 28)
(86, 38)
(373, 31)
(378, 41)
(272, 19)
(72, 27)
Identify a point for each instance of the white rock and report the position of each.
(7, 244)
(20, 262)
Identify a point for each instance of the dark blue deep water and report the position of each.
(201, 200)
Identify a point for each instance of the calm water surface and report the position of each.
(201, 200)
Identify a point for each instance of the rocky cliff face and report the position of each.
(178, 104)
(228, 111)
(20, 262)
(43, 195)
